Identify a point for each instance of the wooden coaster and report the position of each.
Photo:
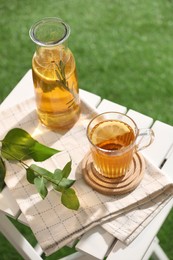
(113, 186)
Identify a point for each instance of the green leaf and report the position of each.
(2, 174)
(41, 171)
(62, 68)
(41, 187)
(30, 175)
(63, 184)
(58, 175)
(66, 183)
(19, 145)
(58, 75)
(40, 152)
(57, 187)
(16, 144)
(67, 169)
(64, 173)
(69, 199)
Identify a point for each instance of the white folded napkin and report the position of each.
(54, 226)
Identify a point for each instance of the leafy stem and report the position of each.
(63, 83)
(18, 146)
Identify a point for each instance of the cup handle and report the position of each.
(144, 139)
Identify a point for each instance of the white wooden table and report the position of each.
(96, 243)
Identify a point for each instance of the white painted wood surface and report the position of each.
(141, 120)
(17, 239)
(96, 243)
(23, 90)
(107, 105)
(8, 203)
(158, 252)
(141, 244)
(163, 141)
(168, 166)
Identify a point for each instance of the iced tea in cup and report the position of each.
(114, 138)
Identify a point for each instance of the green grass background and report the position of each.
(123, 52)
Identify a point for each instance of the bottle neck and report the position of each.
(50, 32)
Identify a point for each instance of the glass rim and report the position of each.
(34, 27)
(113, 152)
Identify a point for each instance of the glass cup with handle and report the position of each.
(114, 138)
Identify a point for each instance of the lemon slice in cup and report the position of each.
(108, 130)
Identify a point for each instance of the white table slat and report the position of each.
(23, 90)
(141, 120)
(8, 203)
(137, 249)
(95, 238)
(168, 166)
(106, 106)
(163, 141)
(22, 219)
(93, 99)
(17, 239)
(158, 252)
(78, 256)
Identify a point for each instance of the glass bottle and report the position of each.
(54, 74)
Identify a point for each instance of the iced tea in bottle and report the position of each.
(54, 75)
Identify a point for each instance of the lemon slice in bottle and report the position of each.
(45, 64)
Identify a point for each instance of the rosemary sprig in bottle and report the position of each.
(63, 83)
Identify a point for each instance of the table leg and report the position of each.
(16, 239)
